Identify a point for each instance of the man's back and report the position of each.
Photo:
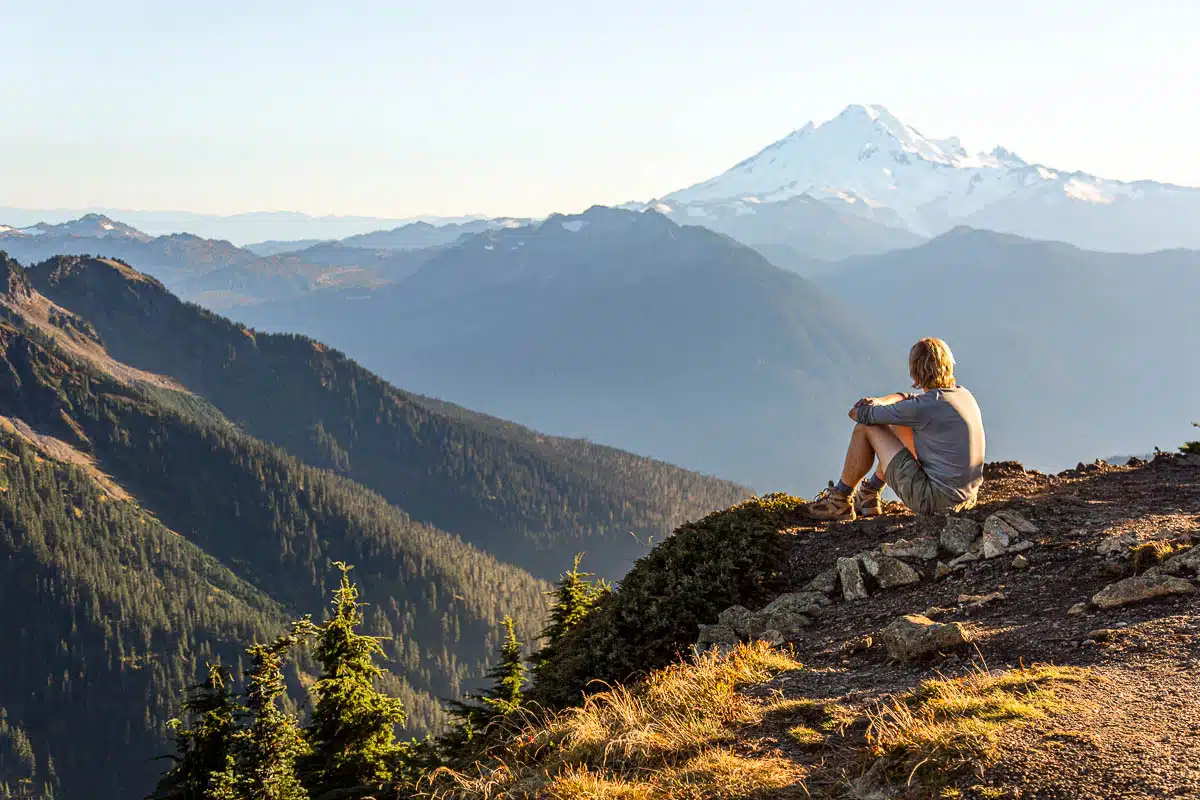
(947, 433)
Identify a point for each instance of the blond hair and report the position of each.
(931, 365)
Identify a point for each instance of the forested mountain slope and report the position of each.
(176, 535)
(534, 500)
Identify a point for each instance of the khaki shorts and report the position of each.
(908, 480)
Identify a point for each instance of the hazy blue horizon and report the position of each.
(457, 108)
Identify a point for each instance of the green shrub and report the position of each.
(729, 557)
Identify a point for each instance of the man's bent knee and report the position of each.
(885, 443)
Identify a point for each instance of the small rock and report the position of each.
(913, 636)
(715, 636)
(965, 558)
(1134, 590)
(923, 548)
(1022, 526)
(1077, 609)
(773, 637)
(977, 600)
(996, 536)
(941, 570)
(1188, 560)
(1112, 545)
(890, 572)
(1020, 562)
(959, 534)
(1102, 634)
(825, 582)
(856, 645)
(1020, 547)
(853, 587)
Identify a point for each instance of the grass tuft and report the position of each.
(662, 737)
(947, 724)
(1148, 554)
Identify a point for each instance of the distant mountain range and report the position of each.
(868, 162)
(623, 327)
(219, 275)
(241, 229)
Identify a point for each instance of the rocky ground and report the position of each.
(1048, 577)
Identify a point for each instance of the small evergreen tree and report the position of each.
(509, 675)
(478, 711)
(273, 742)
(573, 597)
(352, 730)
(204, 765)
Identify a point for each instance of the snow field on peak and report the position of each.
(867, 154)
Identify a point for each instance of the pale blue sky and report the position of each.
(410, 107)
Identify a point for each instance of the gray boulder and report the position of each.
(923, 548)
(1137, 589)
(995, 539)
(853, 586)
(913, 637)
(826, 582)
(1187, 561)
(786, 615)
(890, 572)
(1113, 545)
(739, 618)
(1016, 522)
(809, 603)
(720, 636)
(965, 558)
(958, 535)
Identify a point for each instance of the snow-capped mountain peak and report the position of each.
(866, 159)
(90, 226)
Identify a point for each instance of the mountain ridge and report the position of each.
(454, 468)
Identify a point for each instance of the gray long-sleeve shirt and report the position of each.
(948, 434)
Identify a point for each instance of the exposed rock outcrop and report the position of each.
(1140, 588)
(913, 637)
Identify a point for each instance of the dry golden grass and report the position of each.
(659, 738)
(946, 724)
(1149, 554)
(676, 735)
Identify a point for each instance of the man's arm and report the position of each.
(906, 411)
(892, 399)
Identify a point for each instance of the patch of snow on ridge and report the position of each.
(1086, 192)
(575, 225)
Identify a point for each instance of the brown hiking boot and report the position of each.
(831, 505)
(867, 504)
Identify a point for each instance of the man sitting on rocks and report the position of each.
(928, 447)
